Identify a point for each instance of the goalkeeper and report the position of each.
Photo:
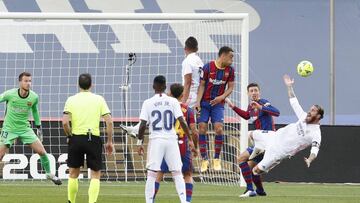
(19, 102)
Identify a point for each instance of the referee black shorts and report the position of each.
(79, 145)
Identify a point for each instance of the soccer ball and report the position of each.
(305, 68)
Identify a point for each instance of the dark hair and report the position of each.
(85, 81)
(24, 74)
(320, 111)
(225, 50)
(159, 83)
(176, 90)
(192, 44)
(253, 85)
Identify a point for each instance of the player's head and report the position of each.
(226, 55)
(85, 81)
(176, 90)
(159, 84)
(253, 91)
(25, 81)
(315, 114)
(191, 45)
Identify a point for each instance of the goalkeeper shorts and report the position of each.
(26, 137)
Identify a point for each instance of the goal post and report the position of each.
(57, 47)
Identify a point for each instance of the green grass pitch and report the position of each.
(45, 192)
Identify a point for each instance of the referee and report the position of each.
(85, 110)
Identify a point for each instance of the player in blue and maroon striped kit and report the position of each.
(261, 113)
(216, 83)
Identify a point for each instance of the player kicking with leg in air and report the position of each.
(260, 112)
(289, 140)
(176, 91)
(160, 112)
(19, 102)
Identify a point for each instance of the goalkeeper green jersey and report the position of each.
(18, 109)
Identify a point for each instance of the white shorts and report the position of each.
(191, 101)
(271, 159)
(159, 149)
(263, 138)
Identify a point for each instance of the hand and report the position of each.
(197, 109)
(141, 150)
(307, 162)
(229, 102)
(288, 81)
(217, 100)
(109, 148)
(39, 134)
(255, 105)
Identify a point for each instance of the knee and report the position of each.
(202, 128)
(219, 130)
(257, 171)
(95, 174)
(42, 153)
(243, 157)
(74, 172)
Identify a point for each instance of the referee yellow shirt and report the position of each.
(86, 110)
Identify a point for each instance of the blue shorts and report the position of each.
(215, 112)
(256, 159)
(186, 161)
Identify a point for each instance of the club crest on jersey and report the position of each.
(29, 104)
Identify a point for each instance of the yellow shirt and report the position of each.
(86, 110)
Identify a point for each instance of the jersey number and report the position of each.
(167, 118)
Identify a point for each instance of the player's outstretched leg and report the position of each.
(131, 130)
(39, 148)
(219, 140)
(203, 144)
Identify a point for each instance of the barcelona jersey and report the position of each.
(216, 80)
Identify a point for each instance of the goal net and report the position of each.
(123, 53)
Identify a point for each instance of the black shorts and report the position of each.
(79, 145)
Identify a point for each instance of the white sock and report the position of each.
(150, 186)
(136, 128)
(180, 185)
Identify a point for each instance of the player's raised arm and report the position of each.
(300, 113)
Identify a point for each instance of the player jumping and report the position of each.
(217, 83)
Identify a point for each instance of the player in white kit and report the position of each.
(161, 112)
(191, 68)
(289, 140)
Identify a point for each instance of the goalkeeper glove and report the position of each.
(39, 133)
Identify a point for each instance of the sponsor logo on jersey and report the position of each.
(217, 82)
